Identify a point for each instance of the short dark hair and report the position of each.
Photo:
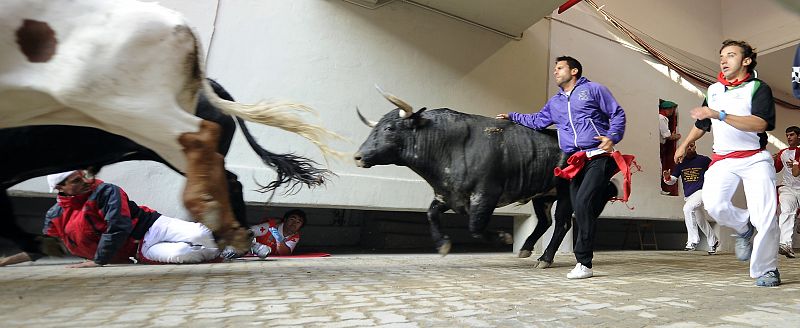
(794, 129)
(572, 63)
(297, 212)
(747, 52)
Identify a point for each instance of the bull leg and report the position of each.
(563, 224)
(442, 241)
(206, 192)
(541, 208)
(479, 214)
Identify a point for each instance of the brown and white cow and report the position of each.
(133, 69)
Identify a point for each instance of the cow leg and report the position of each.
(206, 192)
(563, 224)
(541, 207)
(442, 241)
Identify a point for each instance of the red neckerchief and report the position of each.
(624, 164)
(735, 83)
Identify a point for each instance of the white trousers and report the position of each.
(790, 201)
(172, 240)
(694, 216)
(757, 174)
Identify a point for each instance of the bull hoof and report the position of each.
(444, 249)
(543, 264)
(524, 253)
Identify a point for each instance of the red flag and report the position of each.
(567, 5)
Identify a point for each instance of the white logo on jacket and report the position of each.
(583, 95)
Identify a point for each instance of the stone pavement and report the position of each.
(630, 289)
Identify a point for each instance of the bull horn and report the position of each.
(369, 123)
(407, 110)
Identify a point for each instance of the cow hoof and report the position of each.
(506, 238)
(238, 238)
(445, 248)
(524, 253)
(543, 264)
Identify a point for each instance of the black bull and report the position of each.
(40, 150)
(475, 164)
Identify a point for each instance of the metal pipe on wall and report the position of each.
(444, 13)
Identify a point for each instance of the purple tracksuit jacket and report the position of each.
(590, 110)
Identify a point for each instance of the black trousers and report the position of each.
(589, 194)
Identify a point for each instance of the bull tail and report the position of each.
(282, 115)
(291, 169)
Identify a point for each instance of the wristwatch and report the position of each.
(722, 115)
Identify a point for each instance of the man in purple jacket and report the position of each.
(588, 120)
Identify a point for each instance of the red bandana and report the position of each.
(735, 83)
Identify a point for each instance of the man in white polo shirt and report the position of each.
(741, 108)
(787, 160)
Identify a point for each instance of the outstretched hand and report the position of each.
(680, 152)
(87, 264)
(14, 259)
(501, 116)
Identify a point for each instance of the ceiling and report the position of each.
(509, 16)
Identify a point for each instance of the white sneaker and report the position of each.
(580, 272)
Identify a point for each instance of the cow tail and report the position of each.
(282, 115)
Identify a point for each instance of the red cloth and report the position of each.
(737, 154)
(577, 161)
(721, 79)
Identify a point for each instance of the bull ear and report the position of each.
(417, 119)
(418, 114)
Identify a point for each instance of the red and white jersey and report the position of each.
(786, 155)
(263, 236)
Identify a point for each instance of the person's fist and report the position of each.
(276, 234)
